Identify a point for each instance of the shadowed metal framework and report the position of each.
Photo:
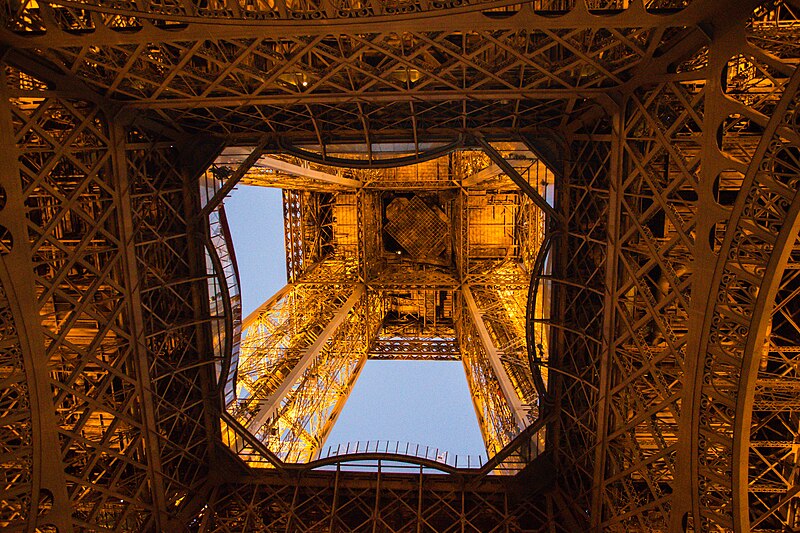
(673, 130)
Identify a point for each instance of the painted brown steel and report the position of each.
(655, 287)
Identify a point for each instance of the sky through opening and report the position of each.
(423, 402)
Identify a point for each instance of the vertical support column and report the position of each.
(462, 236)
(557, 336)
(335, 499)
(196, 155)
(361, 210)
(615, 184)
(293, 507)
(510, 395)
(293, 233)
(376, 512)
(687, 508)
(419, 500)
(17, 277)
(268, 408)
(131, 280)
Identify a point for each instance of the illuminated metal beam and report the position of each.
(517, 178)
(415, 349)
(234, 178)
(342, 396)
(268, 408)
(266, 306)
(511, 397)
(483, 175)
(490, 172)
(296, 170)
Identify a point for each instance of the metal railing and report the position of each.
(223, 290)
(404, 449)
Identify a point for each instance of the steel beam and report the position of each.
(341, 400)
(270, 406)
(144, 29)
(352, 97)
(509, 393)
(521, 182)
(489, 172)
(18, 280)
(253, 316)
(138, 342)
(234, 178)
(296, 170)
(615, 180)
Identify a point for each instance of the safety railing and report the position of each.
(404, 449)
(223, 289)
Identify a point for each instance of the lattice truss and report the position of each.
(670, 345)
(100, 319)
(397, 502)
(309, 85)
(400, 294)
(684, 205)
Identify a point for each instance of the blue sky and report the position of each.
(426, 403)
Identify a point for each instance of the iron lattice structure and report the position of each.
(672, 127)
(429, 261)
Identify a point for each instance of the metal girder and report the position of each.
(481, 176)
(293, 229)
(343, 500)
(510, 394)
(765, 181)
(267, 408)
(301, 353)
(116, 380)
(306, 84)
(231, 181)
(415, 349)
(316, 176)
(650, 435)
(139, 348)
(266, 14)
(44, 480)
(518, 180)
(492, 171)
(768, 424)
(29, 21)
(609, 302)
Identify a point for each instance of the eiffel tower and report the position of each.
(592, 204)
(430, 261)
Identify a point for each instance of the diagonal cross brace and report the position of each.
(234, 178)
(288, 168)
(517, 178)
(493, 354)
(269, 407)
